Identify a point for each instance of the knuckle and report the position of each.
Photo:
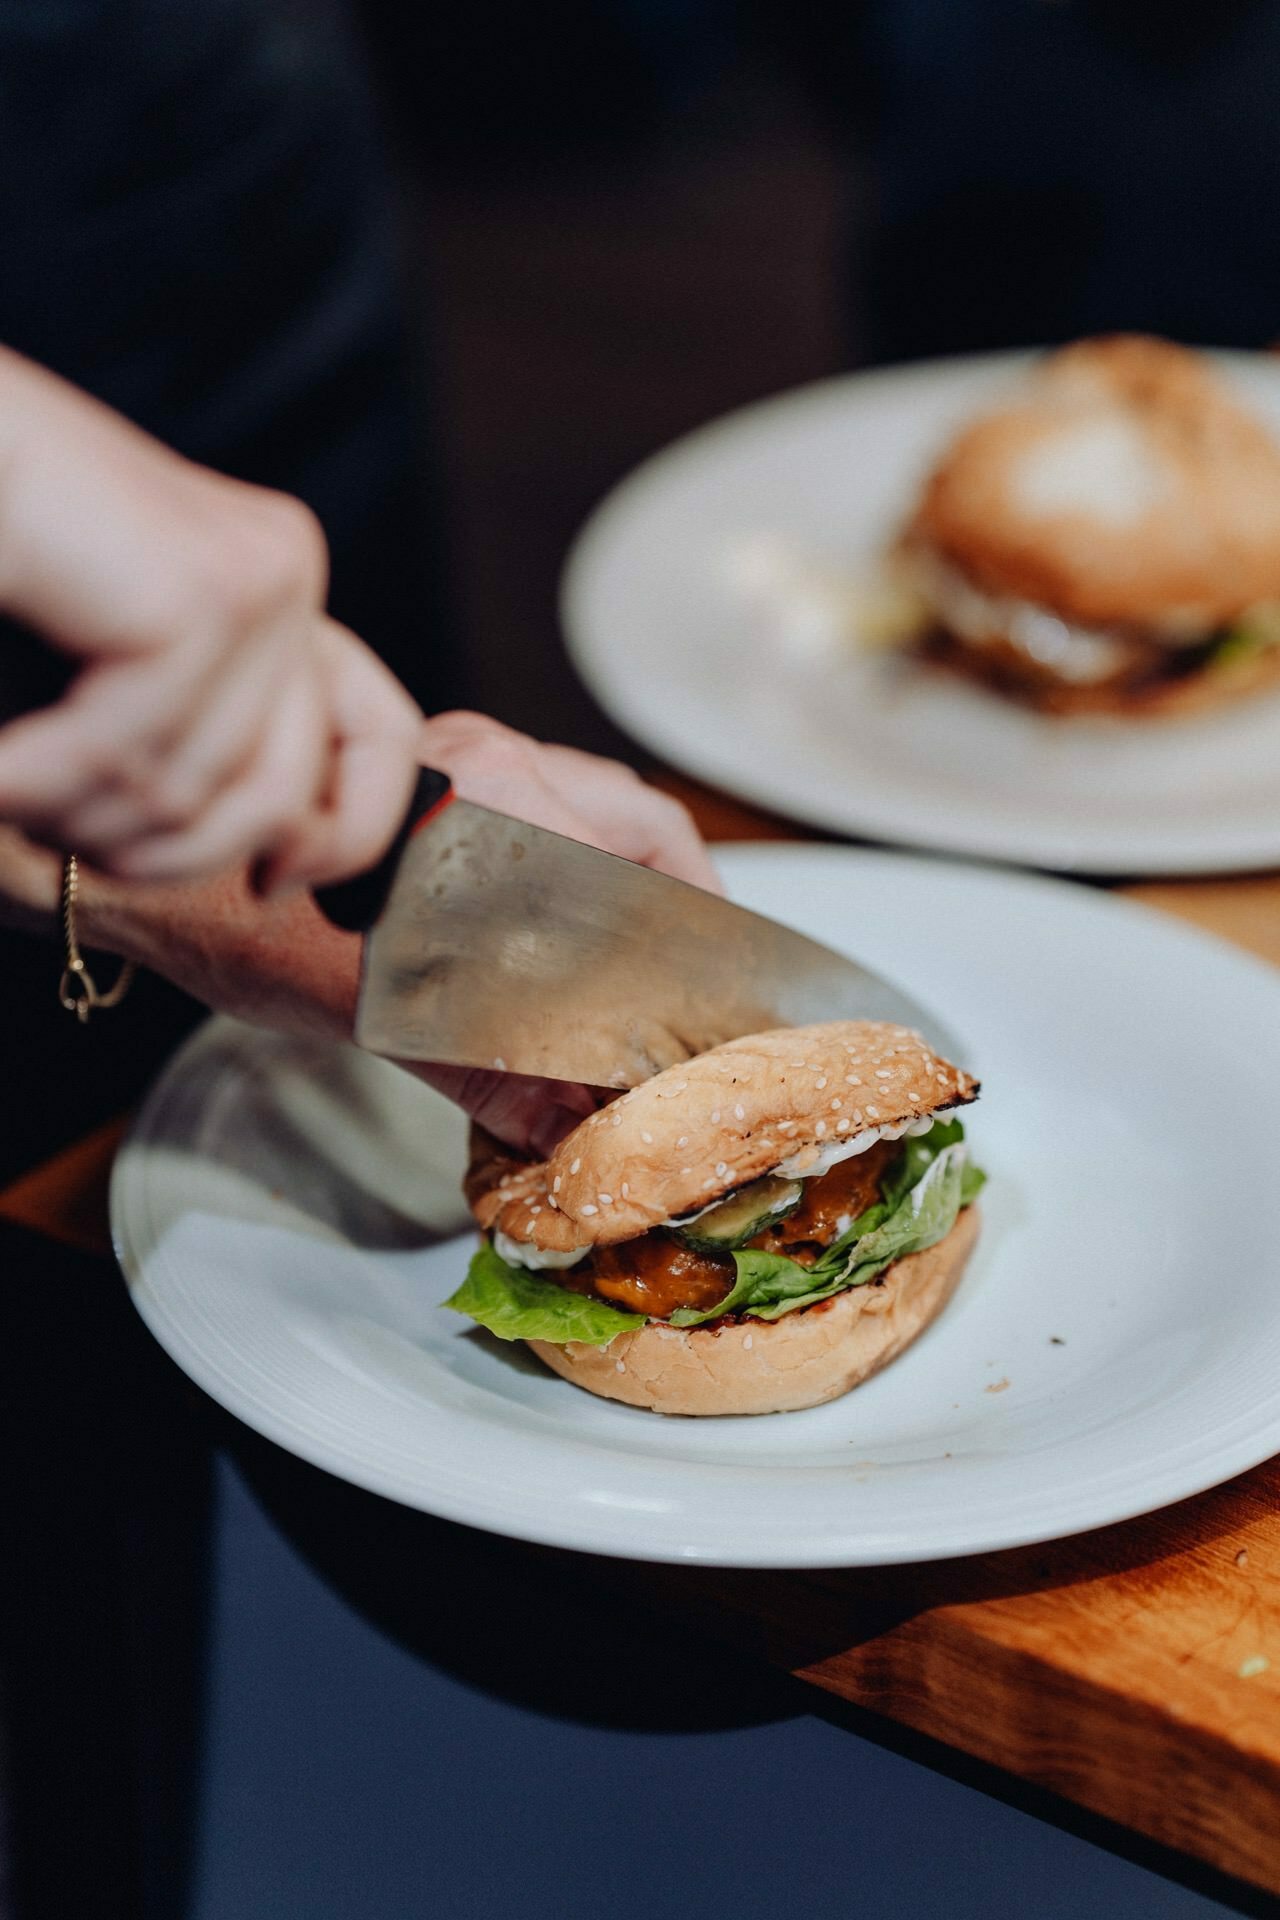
(170, 801)
(673, 813)
(272, 557)
(488, 748)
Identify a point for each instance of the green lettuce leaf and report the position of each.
(519, 1305)
(1256, 629)
(920, 1197)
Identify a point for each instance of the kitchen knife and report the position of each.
(492, 943)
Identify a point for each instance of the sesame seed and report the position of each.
(822, 1081)
(555, 1184)
(683, 1141)
(786, 1126)
(721, 1168)
(499, 1064)
(626, 1189)
(912, 1094)
(747, 1342)
(685, 1172)
(619, 1366)
(574, 1166)
(836, 1105)
(853, 1079)
(589, 1209)
(842, 1126)
(535, 1208)
(821, 1128)
(553, 1203)
(605, 1199)
(647, 1138)
(873, 1113)
(797, 1063)
(884, 1073)
(715, 1116)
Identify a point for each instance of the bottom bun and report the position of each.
(774, 1366)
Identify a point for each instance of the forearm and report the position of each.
(277, 963)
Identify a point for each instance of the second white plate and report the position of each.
(288, 1218)
(865, 746)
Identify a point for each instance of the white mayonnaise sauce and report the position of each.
(522, 1253)
(1076, 653)
(812, 1162)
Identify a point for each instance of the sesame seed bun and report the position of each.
(696, 1131)
(1123, 487)
(779, 1366)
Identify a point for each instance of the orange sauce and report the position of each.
(655, 1273)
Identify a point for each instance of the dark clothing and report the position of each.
(1041, 171)
(197, 229)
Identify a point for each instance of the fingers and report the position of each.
(130, 754)
(314, 786)
(375, 729)
(530, 1115)
(641, 823)
(191, 601)
(283, 782)
(578, 794)
(499, 768)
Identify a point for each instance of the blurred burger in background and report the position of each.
(1106, 542)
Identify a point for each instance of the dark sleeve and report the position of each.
(197, 228)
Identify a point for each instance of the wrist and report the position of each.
(30, 886)
(278, 964)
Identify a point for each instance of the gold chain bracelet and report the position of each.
(77, 989)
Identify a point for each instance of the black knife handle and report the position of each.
(355, 904)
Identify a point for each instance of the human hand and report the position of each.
(217, 715)
(281, 964)
(586, 798)
(578, 794)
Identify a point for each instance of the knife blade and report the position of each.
(493, 943)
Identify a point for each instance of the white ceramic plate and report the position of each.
(274, 1208)
(871, 745)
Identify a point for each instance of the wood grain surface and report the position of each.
(1134, 1670)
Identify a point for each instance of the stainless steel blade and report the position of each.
(503, 945)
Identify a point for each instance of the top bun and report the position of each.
(1123, 486)
(700, 1129)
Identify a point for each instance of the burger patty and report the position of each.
(657, 1273)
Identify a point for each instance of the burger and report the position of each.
(753, 1231)
(1107, 542)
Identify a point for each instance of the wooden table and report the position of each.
(1134, 1671)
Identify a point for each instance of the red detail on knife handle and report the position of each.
(355, 904)
(436, 807)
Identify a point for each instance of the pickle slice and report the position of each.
(742, 1216)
